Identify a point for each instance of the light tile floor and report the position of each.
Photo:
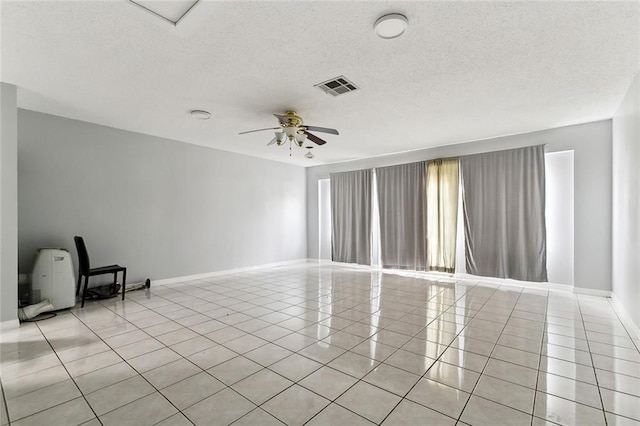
(325, 345)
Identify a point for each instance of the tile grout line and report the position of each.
(275, 372)
(459, 419)
(489, 358)
(142, 330)
(439, 356)
(220, 344)
(259, 409)
(361, 379)
(327, 365)
(615, 311)
(592, 363)
(299, 299)
(70, 377)
(381, 362)
(151, 309)
(544, 329)
(125, 361)
(4, 402)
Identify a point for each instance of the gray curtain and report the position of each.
(351, 217)
(504, 214)
(402, 200)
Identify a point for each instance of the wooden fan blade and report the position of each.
(259, 130)
(321, 129)
(272, 142)
(314, 138)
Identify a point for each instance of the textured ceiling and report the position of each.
(462, 71)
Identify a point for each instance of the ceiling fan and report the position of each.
(292, 129)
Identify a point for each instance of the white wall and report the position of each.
(559, 216)
(591, 144)
(161, 208)
(626, 202)
(8, 204)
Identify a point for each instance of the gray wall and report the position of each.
(8, 203)
(161, 208)
(626, 202)
(591, 143)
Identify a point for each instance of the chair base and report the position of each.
(112, 269)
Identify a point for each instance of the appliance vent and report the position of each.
(337, 86)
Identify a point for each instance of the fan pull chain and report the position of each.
(289, 148)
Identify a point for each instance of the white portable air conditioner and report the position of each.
(52, 278)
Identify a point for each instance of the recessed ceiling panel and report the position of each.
(170, 10)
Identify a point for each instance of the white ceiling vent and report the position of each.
(337, 86)
(171, 11)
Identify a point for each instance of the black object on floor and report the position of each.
(103, 291)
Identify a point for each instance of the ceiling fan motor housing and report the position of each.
(294, 120)
(292, 129)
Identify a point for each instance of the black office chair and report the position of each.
(85, 270)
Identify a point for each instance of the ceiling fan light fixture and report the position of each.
(301, 139)
(280, 137)
(291, 132)
(391, 26)
(309, 154)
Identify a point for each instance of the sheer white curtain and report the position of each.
(376, 260)
(442, 214)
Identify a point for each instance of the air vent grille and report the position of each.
(337, 86)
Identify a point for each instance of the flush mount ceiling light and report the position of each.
(200, 114)
(391, 26)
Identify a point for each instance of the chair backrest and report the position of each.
(83, 256)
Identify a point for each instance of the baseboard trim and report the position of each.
(9, 324)
(631, 326)
(347, 265)
(592, 292)
(443, 276)
(515, 283)
(174, 280)
(440, 276)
